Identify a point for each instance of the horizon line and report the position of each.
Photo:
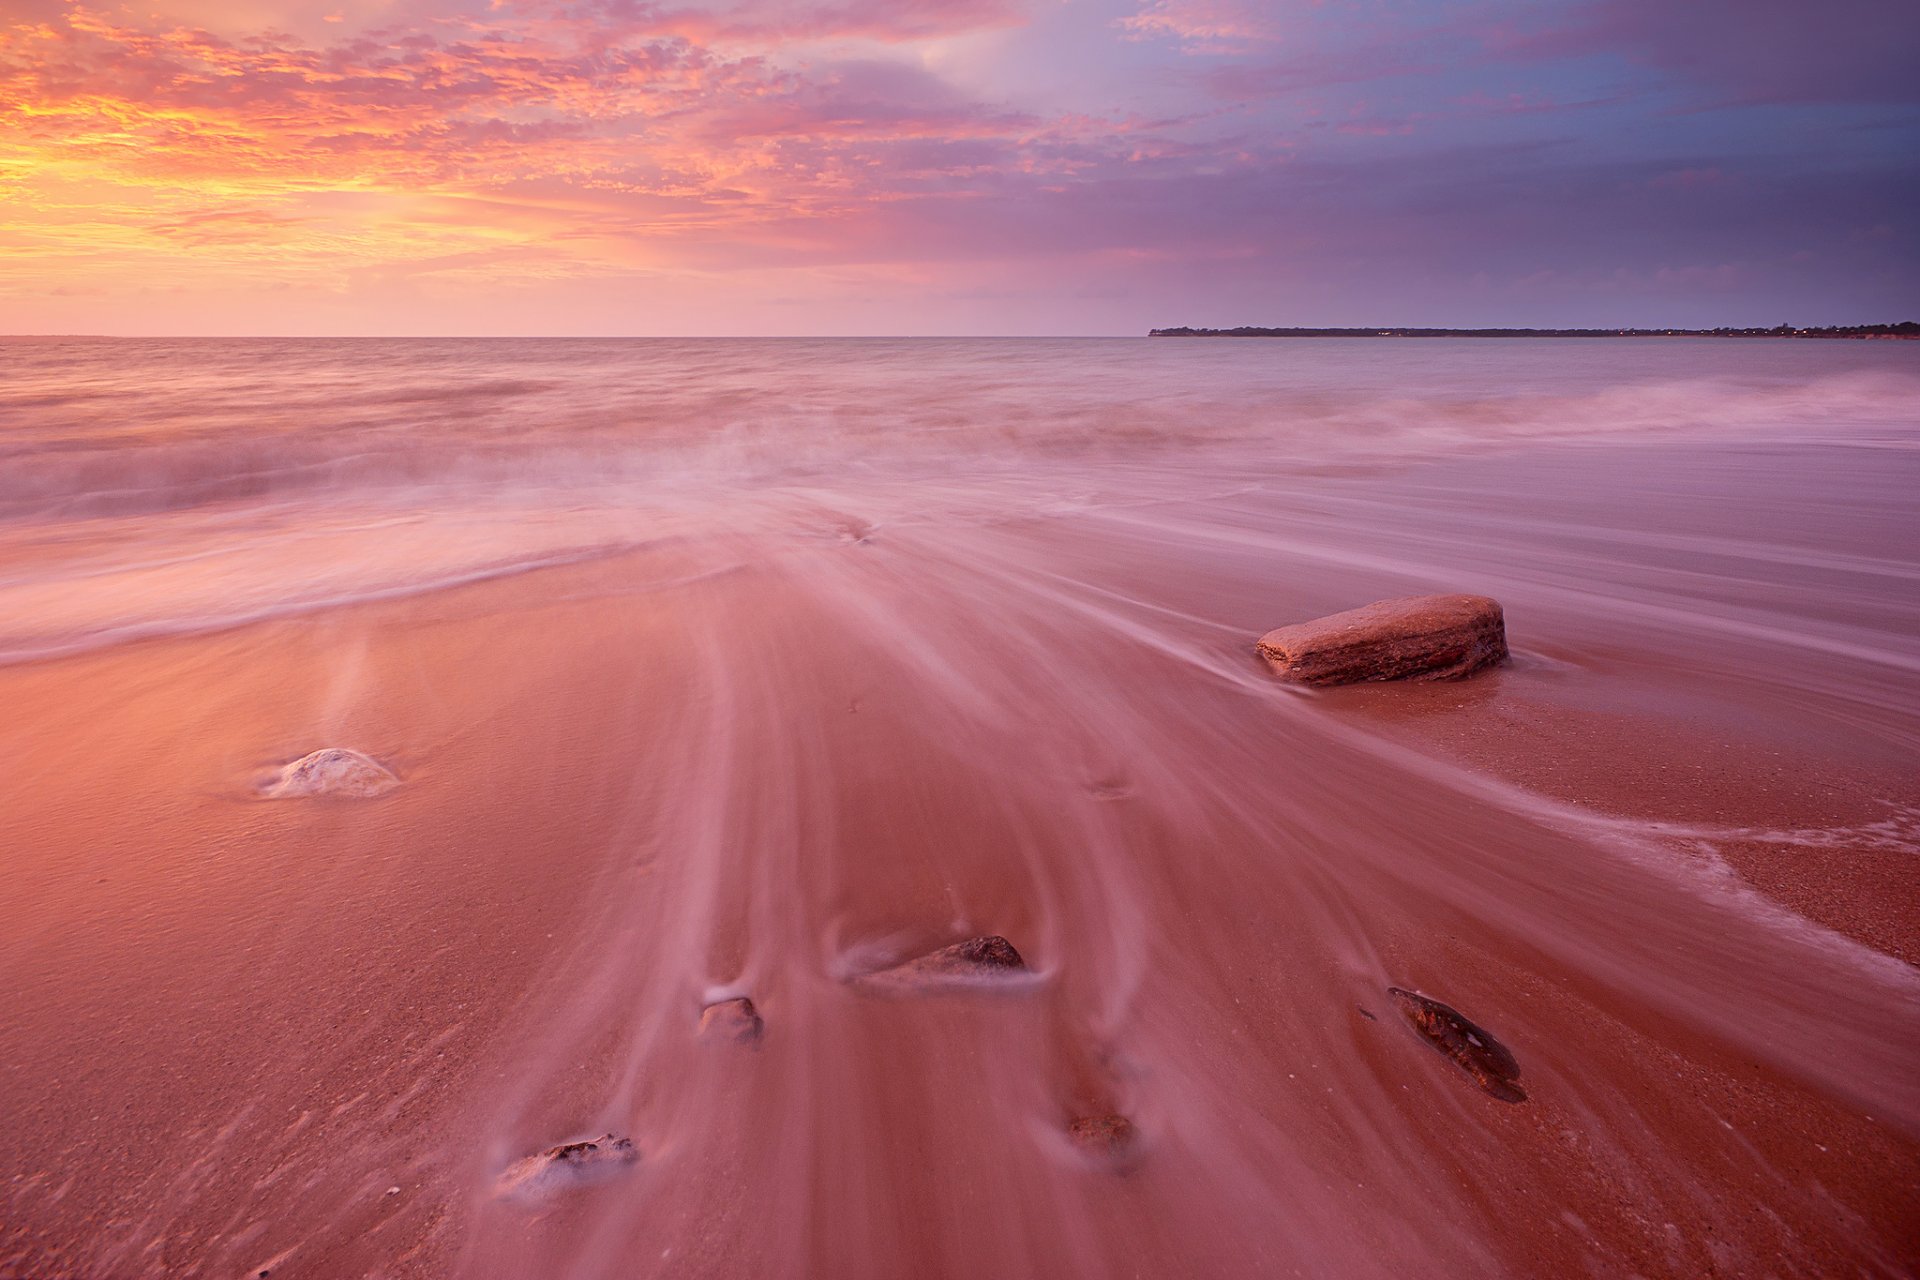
(1384, 330)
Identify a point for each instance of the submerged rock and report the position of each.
(1109, 1139)
(331, 771)
(735, 1020)
(971, 962)
(1416, 638)
(571, 1164)
(1470, 1045)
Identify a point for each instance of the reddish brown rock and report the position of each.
(971, 962)
(1109, 1139)
(1472, 1048)
(1416, 638)
(736, 1021)
(569, 1165)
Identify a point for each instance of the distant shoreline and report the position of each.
(1905, 330)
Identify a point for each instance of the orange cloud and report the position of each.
(574, 136)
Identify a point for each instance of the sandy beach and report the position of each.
(959, 640)
(1664, 854)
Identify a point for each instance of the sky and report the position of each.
(961, 167)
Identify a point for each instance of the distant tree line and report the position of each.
(1905, 329)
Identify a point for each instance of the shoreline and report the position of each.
(618, 804)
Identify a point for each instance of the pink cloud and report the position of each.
(765, 22)
(1204, 26)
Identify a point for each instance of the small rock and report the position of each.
(1109, 1139)
(331, 771)
(393, 1191)
(734, 1020)
(571, 1164)
(972, 962)
(1471, 1046)
(1416, 638)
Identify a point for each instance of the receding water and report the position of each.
(723, 668)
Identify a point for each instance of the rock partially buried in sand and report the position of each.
(1110, 1140)
(332, 771)
(570, 1165)
(1472, 1048)
(1416, 638)
(973, 962)
(735, 1021)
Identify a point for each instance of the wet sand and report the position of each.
(1665, 855)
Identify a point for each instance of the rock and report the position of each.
(1416, 638)
(973, 962)
(332, 771)
(572, 1164)
(1471, 1046)
(733, 1020)
(1108, 1139)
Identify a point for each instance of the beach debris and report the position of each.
(733, 1020)
(571, 1164)
(1470, 1045)
(1414, 638)
(971, 962)
(331, 771)
(1110, 1139)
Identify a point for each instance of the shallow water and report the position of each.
(723, 668)
(150, 486)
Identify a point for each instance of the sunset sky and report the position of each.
(972, 166)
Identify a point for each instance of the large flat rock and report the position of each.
(1414, 638)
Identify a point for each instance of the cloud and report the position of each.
(422, 150)
(763, 22)
(1204, 26)
(1745, 52)
(527, 140)
(226, 226)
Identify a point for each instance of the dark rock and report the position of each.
(1416, 638)
(733, 1020)
(331, 771)
(1110, 1139)
(971, 962)
(990, 952)
(572, 1164)
(1471, 1046)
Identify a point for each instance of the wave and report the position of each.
(181, 426)
(152, 488)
